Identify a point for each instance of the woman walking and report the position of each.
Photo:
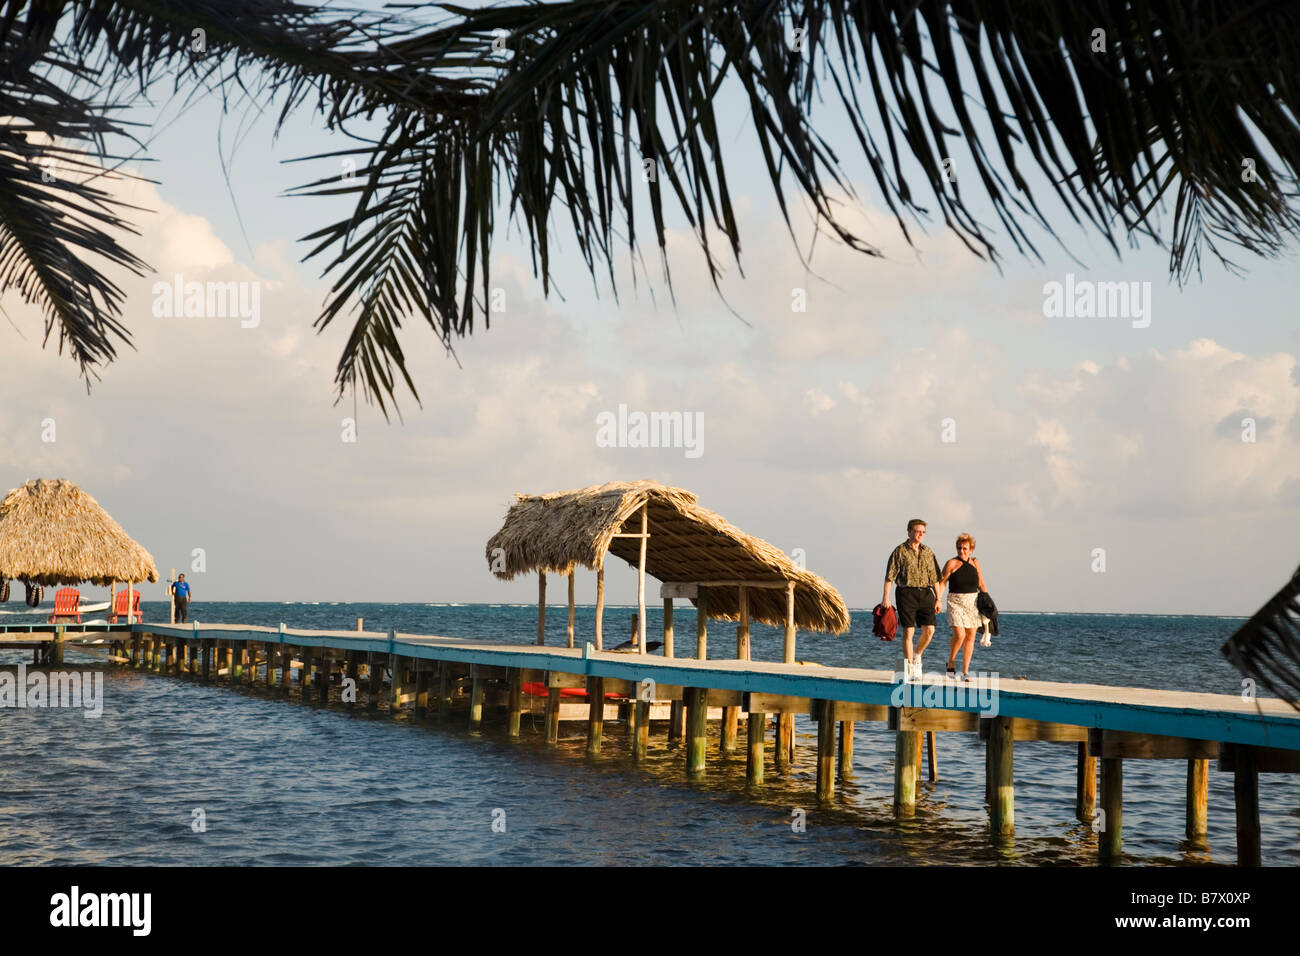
(965, 580)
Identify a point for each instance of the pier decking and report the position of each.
(1106, 724)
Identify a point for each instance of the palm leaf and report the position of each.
(1267, 647)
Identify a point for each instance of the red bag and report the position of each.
(884, 622)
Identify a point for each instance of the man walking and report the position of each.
(181, 599)
(914, 571)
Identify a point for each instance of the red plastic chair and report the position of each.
(67, 603)
(119, 607)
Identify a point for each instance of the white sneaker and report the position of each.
(907, 671)
(917, 672)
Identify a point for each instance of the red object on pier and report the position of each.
(67, 603)
(538, 689)
(884, 622)
(119, 607)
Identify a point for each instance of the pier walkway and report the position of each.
(441, 675)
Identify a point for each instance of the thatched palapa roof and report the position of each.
(53, 533)
(557, 532)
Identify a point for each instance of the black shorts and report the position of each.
(915, 606)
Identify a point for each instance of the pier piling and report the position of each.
(755, 751)
(825, 750)
(907, 756)
(1110, 837)
(1002, 810)
(1085, 785)
(1198, 795)
(697, 729)
(595, 713)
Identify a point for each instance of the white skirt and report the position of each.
(962, 611)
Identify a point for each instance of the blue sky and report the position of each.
(821, 427)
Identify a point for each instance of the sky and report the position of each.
(1099, 463)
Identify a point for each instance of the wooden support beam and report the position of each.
(569, 630)
(846, 747)
(931, 718)
(1198, 796)
(697, 729)
(541, 607)
(552, 715)
(397, 664)
(1266, 759)
(702, 625)
(1002, 809)
(826, 752)
(1110, 836)
(423, 678)
(324, 673)
(305, 675)
(1025, 729)
(1085, 785)
(515, 707)
(1245, 791)
(564, 680)
(477, 686)
(755, 701)
(1123, 745)
(907, 755)
(640, 579)
(754, 756)
(641, 739)
(851, 710)
(595, 714)
(600, 604)
(207, 661)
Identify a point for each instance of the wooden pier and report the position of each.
(442, 677)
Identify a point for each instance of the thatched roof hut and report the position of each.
(53, 533)
(686, 543)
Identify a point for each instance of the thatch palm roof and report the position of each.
(52, 533)
(687, 543)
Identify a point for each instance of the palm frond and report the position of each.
(1267, 647)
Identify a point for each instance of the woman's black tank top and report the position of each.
(965, 580)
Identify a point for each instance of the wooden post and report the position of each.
(785, 721)
(135, 650)
(56, 652)
(324, 670)
(907, 754)
(237, 654)
(1245, 790)
(286, 668)
(171, 601)
(423, 678)
(640, 577)
(360, 621)
(354, 669)
(701, 625)
(569, 632)
(934, 756)
(444, 689)
(305, 675)
(553, 715)
(477, 687)
(207, 661)
(600, 603)
(375, 681)
(846, 749)
(397, 664)
(1111, 837)
(754, 753)
(595, 714)
(697, 729)
(1198, 795)
(1085, 785)
(541, 607)
(676, 714)
(642, 738)
(272, 656)
(731, 715)
(1002, 811)
(825, 751)
(515, 701)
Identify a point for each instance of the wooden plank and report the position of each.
(772, 703)
(1120, 744)
(932, 718)
(565, 681)
(1267, 759)
(668, 591)
(851, 710)
(488, 672)
(1026, 729)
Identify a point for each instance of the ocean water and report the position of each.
(278, 782)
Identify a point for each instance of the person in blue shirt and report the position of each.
(181, 598)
